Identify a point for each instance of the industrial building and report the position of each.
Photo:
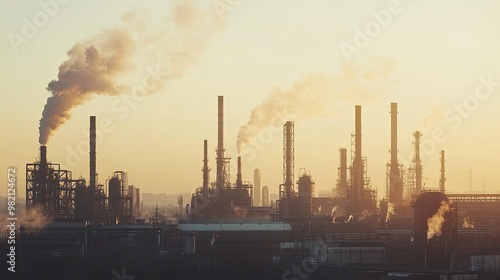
(231, 230)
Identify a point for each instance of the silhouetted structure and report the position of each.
(256, 187)
(51, 188)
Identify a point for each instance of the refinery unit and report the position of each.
(232, 230)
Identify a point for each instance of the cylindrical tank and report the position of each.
(115, 197)
(433, 250)
(305, 195)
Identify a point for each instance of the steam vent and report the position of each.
(435, 230)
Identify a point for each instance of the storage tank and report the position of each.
(115, 197)
(305, 195)
(435, 230)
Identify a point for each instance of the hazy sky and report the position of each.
(445, 56)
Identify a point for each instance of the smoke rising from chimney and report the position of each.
(435, 223)
(108, 63)
(319, 95)
(390, 212)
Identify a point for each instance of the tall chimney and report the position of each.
(342, 182)
(442, 179)
(418, 162)
(43, 156)
(357, 189)
(206, 170)
(239, 181)
(220, 144)
(93, 173)
(92, 154)
(395, 182)
(288, 155)
(256, 187)
(41, 196)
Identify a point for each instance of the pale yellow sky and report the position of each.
(441, 50)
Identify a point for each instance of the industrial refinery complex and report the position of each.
(231, 229)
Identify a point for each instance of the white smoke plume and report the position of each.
(319, 210)
(435, 222)
(434, 115)
(334, 209)
(350, 219)
(364, 215)
(320, 95)
(105, 63)
(467, 223)
(33, 220)
(390, 212)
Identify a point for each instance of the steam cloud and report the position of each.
(434, 115)
(390, 212)
(334, 209)
(33, 220)
(107, 63)
(435, 222)
(467, 223)
(319, 95)
(350, 219)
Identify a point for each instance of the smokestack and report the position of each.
(206, 170)
(442, 179)
(93, 173)
(288, 161)
(395, 182)
(41, 197)
(92, 154)
(342, 184)
(239, 181)
(43, 156)
(394, 133)
(418, 162)
(357, 191)
(256, 187)
(220, 144)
